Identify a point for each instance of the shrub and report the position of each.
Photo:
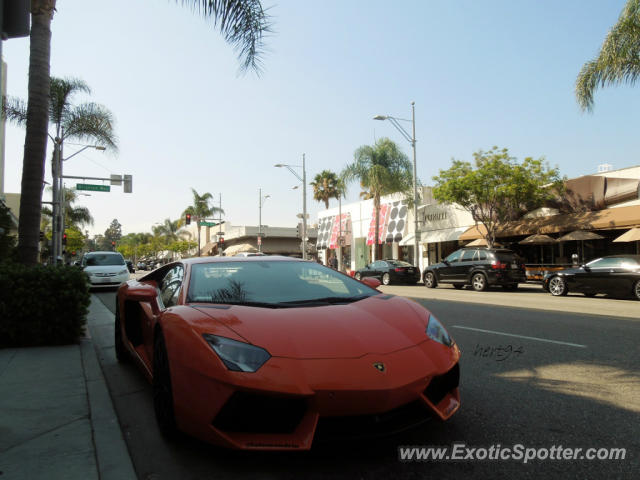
(42, 305)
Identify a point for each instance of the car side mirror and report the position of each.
(371, 282)
(446, 262)
(142, 293)
(586, 268)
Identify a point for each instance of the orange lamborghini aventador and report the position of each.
(270, 353)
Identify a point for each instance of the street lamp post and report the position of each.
(59, 206)
(261, 201)
(412, 141)
(304, 199)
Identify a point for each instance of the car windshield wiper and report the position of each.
(326, 300)
(241, 303)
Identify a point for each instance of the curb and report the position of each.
(112, 456)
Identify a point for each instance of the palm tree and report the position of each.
(381, 169)
(77, 217)
(617, 61)
(326, 185)
(200, 210)
(84, 122)
(171, 231)
(242, 23)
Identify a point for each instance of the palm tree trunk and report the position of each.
(35, 144)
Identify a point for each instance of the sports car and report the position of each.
(272, 353)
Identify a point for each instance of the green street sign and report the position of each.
(93, 188)
(207, 224)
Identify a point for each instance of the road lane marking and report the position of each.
(521, 336)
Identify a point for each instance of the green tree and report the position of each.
(326, 185)
(171, 231)
(242, 23)
(75, 239)
(618, 60)
(113, 233)
(77, 217)
(381, 170)
(498, 189)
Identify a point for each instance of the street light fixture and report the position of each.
(304, 199)
(412, 140)
(58, 200)
(261, 200)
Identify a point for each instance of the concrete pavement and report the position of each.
(56, 416)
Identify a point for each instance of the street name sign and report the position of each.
(208, 224)
(93, 188)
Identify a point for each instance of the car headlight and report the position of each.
(122, 272)
(437, 333)
(237, 356)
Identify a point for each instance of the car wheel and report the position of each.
(430, 280)
(162, 391)
(357, 276)
(386, 280)
(458, 286)
(121, 351)
(636, 290)
(558, 287)
(479, 282)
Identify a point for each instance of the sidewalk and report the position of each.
(56, 416)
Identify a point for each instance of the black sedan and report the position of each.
(390, 271)
(617, 275)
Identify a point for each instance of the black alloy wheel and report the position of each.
(636, 290)
(162, 391)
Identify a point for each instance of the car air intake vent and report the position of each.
(443, 384)
(251, 413)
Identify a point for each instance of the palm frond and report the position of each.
(90, 122)
(243, 24)
(15, 110)
(61, 92)
(618, 60)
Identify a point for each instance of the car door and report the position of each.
(464, 265)
(379, 268)
(169, 290)
(598, 276)
(447, 271)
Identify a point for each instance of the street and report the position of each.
(542, 374)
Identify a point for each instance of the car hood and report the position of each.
(380, 324)
(105, 268)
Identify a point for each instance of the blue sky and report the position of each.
(481, 73)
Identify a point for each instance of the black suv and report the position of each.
(478, 267)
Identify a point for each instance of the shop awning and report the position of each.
(611, 218)
(437, 236)
(632, 235)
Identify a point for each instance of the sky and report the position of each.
(481, 73)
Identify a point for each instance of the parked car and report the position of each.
(613, 274)
(479, 267)
(142, 266)
(390, 271)
(130, 266)
(105, 269)
(268, 353)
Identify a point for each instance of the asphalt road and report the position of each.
(540, 377)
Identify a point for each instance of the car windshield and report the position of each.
(102, 259)
(273, 284)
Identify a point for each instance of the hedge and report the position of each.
(42, 305)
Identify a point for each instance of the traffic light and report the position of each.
(221, 242)
(64, 238)
(299, 230)
(187, 219)
(113, 244)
